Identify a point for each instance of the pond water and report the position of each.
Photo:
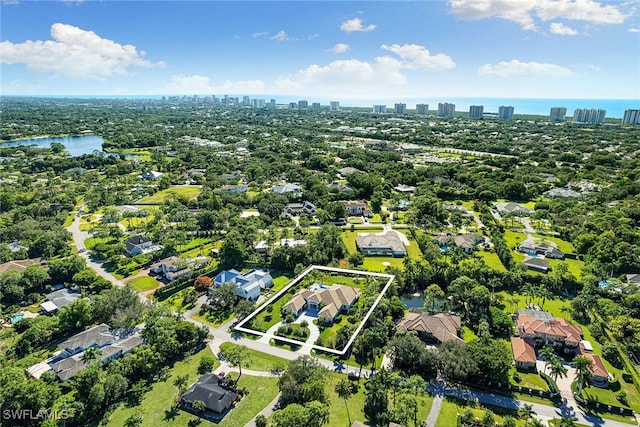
(75, 145)
(413, 300)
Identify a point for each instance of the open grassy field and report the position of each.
(451, 407)
(491, 259)
(189, 192)
(143, 283)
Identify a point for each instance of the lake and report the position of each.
(75, 145)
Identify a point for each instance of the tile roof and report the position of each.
(522, 351)
(442, 326)
(555, 327)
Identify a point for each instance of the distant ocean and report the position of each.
(615, 108)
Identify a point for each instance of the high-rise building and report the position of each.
(446, 109)
(334, 106)
(631, 117)
(272, 103)
(476, 111)
(293, 105)
(400, 108)
(246, 101)
(379, 109)
(315, 106)
(505, 112)
(303, 104)
(558, 114)
(422, 109)
(584, 115)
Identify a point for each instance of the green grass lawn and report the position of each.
(210, 321)
(91, 242)
(136, 221)
(528, 379)
(563, 245)
(355, 220)
(188, 192)
(259, 361)
(451, 407)
(379, 264)
(144, 283)
(491, 259)
(156, 404)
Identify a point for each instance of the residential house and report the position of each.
(357, 208)
(524, 355)
(19, 265)
(112, 344)
(261, 247)
(456, 208)
(232, 188)
(295, 209)
(599, 375)
(512, 208)
(530, 247)
(151, 176)
(348, 171)
(544, 329)
(536, 264)
(215, 392)
(440, 327)
(403, 188)
(566, 193)
(328, 301)
(336, 187)
(292, 243)
(634, 278)
(384, 244)
(248, 285)
(170, 268)
(139, 244)
(58, 299)
(466, 242)
(287, 188)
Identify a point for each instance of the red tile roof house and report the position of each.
(523, 354)
(599, 375)
(544, 329)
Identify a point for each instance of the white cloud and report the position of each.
(525, 12)
(280, 36)
(634, 30)
(340, 48)
(198, 84)
(75, 53)
(259, 34)
(355, 24)
(517, 69)
(561, 29)
(416, 56)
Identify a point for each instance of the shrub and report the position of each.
(206, 364)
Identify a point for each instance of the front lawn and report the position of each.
(156, 405)
(259, 361)
(527, 379)
(143, 283)
(187, 192)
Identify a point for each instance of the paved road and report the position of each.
(543, 412)
(78, 239)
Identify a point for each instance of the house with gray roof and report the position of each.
(536, 264)
(566, 193)
(58, 299)
(287, 188)
(467, 242)
(112, 343)
(531, 247)
(215, 392)
(384, 244)
(513, 208)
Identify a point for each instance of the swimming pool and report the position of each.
(16, 318)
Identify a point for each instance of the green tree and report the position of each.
(557, 369)
(343, 390)
(433, 294)
(92, 353)
(236, 356)
(583, 372)
(546, 354)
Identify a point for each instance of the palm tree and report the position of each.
(181, 383)
(557, 369)
(90, 354)
(343, 390)
(583, 372)
(567, 421)
(526, 411)
(534, 423)
(546, 354)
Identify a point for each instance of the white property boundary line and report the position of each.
(240, 326)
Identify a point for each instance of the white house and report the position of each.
(249, 284)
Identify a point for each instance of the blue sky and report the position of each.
(329, 49)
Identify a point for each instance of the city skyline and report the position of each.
(349, 50)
